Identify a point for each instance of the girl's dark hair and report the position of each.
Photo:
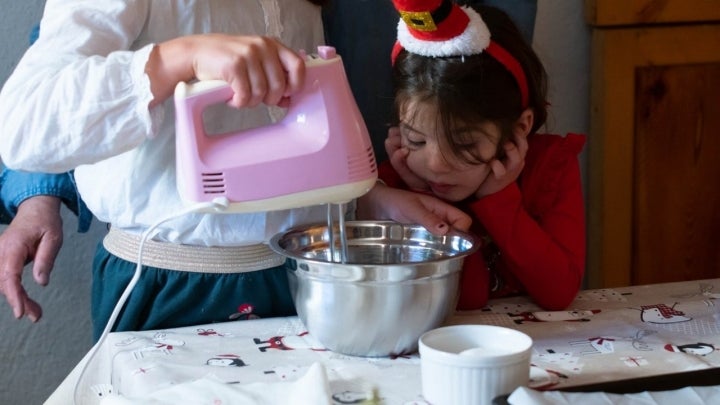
(474, 89)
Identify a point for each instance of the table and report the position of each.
(606, 335)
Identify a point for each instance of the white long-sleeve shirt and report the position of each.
(79, 99)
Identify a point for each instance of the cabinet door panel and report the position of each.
(676, 207)
(643, 12)
(676, 68)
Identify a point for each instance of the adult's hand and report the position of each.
(35, 235)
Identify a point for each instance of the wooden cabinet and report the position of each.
(654, 141)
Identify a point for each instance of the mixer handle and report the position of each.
(215, 91)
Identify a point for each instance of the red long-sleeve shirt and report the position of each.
(537, 225)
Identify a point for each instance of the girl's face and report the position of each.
(448, 177)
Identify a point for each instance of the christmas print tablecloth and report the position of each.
(606, 335)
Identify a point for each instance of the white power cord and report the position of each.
(219, 205)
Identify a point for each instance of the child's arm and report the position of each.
(541, 232)
(384, 202)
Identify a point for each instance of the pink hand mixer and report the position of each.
(318, 153)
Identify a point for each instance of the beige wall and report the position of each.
(562, 40)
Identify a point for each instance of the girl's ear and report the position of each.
(524, 124)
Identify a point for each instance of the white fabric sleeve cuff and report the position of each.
(154, 116)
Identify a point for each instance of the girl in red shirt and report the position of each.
(471, 96)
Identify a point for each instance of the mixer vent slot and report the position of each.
(358, 164)
(371, 158)
(213, 183)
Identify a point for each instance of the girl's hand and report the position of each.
(437, 216)
(506, 171)
(397, 155)
(259, 69)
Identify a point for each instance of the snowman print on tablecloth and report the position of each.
(662, 314)
(162, 344)
(554, 316)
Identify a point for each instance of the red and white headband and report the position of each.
(437, 28)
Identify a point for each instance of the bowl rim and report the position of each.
(274, 242)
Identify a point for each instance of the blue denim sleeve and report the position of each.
(17, 186)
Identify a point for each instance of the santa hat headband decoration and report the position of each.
(438, 28)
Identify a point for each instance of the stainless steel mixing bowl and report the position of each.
(397, 282)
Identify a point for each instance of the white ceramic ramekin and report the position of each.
(473, 364)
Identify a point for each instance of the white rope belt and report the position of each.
(199, 259)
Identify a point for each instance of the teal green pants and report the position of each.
(168, 299)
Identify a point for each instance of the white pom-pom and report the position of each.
(473, 40)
